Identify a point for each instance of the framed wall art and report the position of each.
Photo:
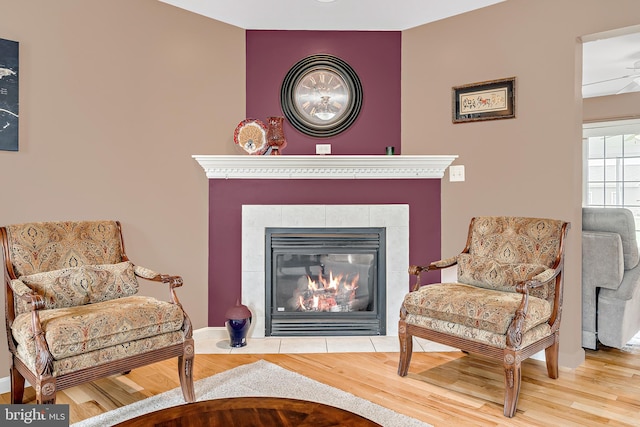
(8, 95)
(490, 100)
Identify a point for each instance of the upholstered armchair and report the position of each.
(506, 303)
(73, 313)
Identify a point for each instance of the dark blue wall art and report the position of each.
(8, 95)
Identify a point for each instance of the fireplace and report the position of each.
(249, 193)
(325, 281)
(256, 219)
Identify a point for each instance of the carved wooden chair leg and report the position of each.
(17, 386)
(551, 356)
(512, 379)
(406, 349)
(46, 391)
(185, 371)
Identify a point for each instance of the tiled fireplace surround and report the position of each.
(249, 193)
(255, 218)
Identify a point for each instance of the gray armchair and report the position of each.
(610, 277)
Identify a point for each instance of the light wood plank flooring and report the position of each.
(443, 389)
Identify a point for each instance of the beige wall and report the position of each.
(530, 165)
(115, 97)
(613, 107)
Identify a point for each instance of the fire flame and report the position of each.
(334, 293)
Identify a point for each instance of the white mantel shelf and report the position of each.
(324, 167)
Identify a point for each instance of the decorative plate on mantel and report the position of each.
(251, 136)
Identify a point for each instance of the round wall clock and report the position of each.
(321, 95)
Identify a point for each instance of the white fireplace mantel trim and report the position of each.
(324, 167)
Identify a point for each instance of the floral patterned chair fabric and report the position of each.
(506, 302)
(73, 313)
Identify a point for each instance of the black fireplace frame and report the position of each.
(363, 323)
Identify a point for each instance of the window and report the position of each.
(612, 166)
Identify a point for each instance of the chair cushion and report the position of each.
(82, 285)
(491, 274)
(470, 306)
(517, 240)
(105, 355)
(72, 331)
(45, 246)
(475, 334)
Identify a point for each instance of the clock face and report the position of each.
(321, 95)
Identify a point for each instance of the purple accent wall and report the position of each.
(226, 198)
(374, 55)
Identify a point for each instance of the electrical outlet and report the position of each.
(456, 173)
(323, 148)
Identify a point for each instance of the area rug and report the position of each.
(259, 379)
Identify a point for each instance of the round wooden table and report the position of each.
(251, 411)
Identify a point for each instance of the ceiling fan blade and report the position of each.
(611, 80)
(631, 87)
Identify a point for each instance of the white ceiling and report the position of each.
(611, 61)
(604, 57)
(383, 15)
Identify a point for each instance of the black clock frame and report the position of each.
(302, 67)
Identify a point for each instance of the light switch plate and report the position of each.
(323, 148)
(456, 173)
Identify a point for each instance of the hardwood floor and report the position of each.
(443, 389)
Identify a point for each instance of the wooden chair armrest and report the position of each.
(19, 288)
(174, 282)
(146, 273)
(35, 301)
(416, 270)
(26, 294)
(514, 333)
(537, 280)
(44, 359)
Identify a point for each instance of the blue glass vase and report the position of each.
(238, 323)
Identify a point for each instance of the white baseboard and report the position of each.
(5, 385)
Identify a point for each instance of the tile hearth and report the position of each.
(216, 341)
